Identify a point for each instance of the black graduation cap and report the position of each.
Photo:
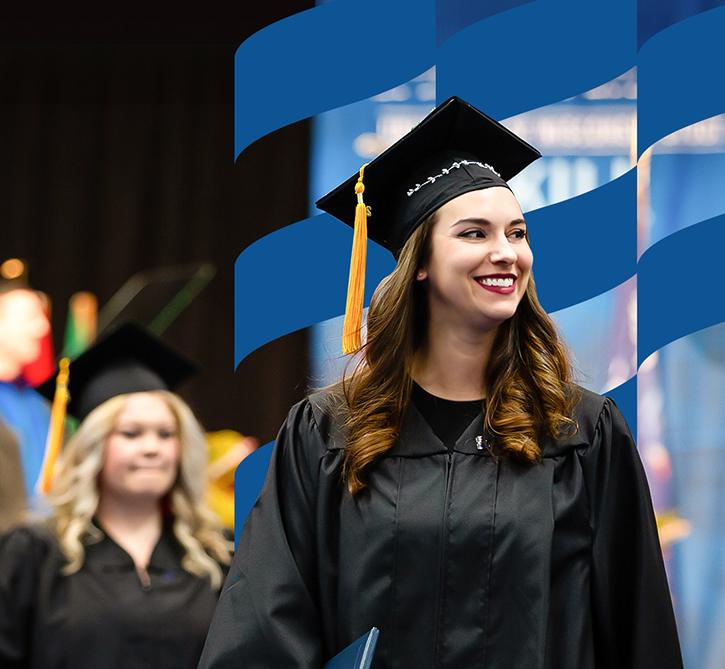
(454, 150)
(128, 359)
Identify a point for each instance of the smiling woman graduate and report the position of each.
(456, 490)
(127, 571)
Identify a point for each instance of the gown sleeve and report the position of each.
(634, 623)
(22, 553)
(268, 612)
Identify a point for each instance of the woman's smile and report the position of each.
(498, 283)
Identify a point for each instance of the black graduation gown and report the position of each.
(459, 560)
(101, 617)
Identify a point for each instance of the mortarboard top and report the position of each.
(453, 150)
(127, 360)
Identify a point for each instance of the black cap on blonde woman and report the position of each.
(454, 150)
(128, 359)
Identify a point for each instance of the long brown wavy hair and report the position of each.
(528, 378)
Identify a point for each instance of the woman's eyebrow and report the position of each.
(486, 222)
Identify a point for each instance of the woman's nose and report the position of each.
(502, 251)
(150, 443)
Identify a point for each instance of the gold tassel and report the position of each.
(351, 342)
(55, 429)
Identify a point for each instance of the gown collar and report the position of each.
(107, 553)
(417, 438)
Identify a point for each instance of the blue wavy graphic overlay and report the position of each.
(532, 55)
(453, 16)
(674, 300)
(600, 334)
(586, 245)
(654, 16)
(625, 397)
(295, 277)
(327, 57)
(687, 187)
(537, 54)
(248, 481)
(680, 76)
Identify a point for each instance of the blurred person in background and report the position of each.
(24, 414)
(127, 570)
(13, 499)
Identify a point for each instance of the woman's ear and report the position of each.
(421, 274)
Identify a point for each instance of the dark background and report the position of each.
(116, 156)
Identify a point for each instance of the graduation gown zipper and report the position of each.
(443, 551)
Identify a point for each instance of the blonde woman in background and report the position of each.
(127, 570)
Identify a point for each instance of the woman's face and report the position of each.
(480, 260)
(142, 450)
